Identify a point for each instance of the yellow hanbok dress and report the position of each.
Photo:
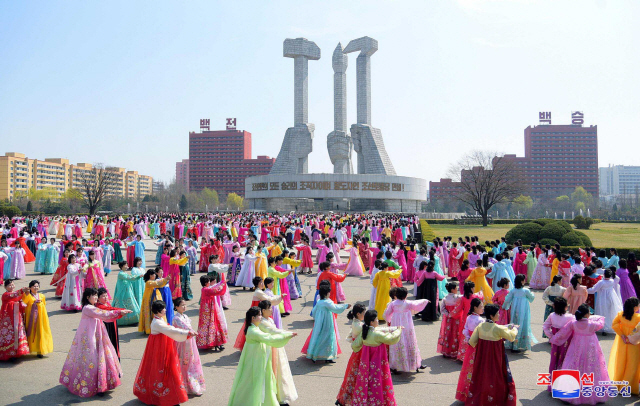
(37, 324)
(144, 325)
(624, 360)
(261, 265)
(554, 269)
(477, 276)
(382, 283)
(90, 225)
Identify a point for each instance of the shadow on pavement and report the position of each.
(437, 366)
(229, 360)
(59, 393)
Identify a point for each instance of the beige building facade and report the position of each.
(19, 174)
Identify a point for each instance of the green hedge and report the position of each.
(427, 231)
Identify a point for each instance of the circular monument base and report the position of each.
(340, 192)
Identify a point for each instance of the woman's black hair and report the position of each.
(324, 290)
(475, 302)
(176, 302)
(392, 292)
(369, 317)
(629, 307)
(401, 293)
(251, 313)
(148, 274)
(608, 274)
(204, 279)
(256, 281)
(490, 310)
(582, 311)
(158, 306)
(575, 280)
(264, 305)
(519, 282)
(623, 263)
(135, 261)
(560, 305)
(7, 282)
(88, 292)
(556, 279)
(102, 291)
(33, 283)
(271, 261)
(267, 281)
(504, 282)
(450, 286)
(468, 289)
(357, 308)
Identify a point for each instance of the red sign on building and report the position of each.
(231, 124)
(204, 124)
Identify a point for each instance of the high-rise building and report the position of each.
(619, 180)
(221, 160)
(182, 174)
(559, 158)
(18, 174)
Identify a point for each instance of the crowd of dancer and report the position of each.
(477, 292)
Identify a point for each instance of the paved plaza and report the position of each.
(33, 381)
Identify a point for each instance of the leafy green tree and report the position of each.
(183, 203)
(235, 201)
(210, 197)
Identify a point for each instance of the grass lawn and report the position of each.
(603, 235)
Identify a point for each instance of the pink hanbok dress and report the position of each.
(498, 300)
(402, 261)
(584, 353)
(336, 252)
(340, 296)
(95, 277)
(404, 356)
(551, 326)
(92, 364)
(541, 274)
(190, 366)
(354, 265)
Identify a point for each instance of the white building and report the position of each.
(617, 180)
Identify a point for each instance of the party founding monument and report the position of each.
(374, 185)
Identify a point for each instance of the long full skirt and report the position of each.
(190, 366)
(350, 376)
(429, 290)
(558, 353)
(448, 338)
(13, 337)
(464, 380)
(373, 384)
(159, 379)
(491, 380)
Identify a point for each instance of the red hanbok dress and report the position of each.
(60, 276)
(13, 337)
(159, 378)
(448, 343)
(212, 325)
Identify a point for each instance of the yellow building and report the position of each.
(18, 174)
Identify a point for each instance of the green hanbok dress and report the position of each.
(255, 382)
(125, 298)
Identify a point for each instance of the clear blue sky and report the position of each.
(123, 82)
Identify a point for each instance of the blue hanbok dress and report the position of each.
(125, 298)
(51, 260)
(41, 254)
(6, 271)
(323, 344)
(165, 292)
(518, 301)
(442, 285)
(499, 271)
(159, 252)
(509, 268)
(107, 258)
(139, 251)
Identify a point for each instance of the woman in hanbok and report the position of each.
(518, 300)
(255, 381)
(531, 262)
(555, 290)
(356, 316)
(279, 285)
(477, 276)
(448, 343)
(36, 321)
(554, 323)
(354, 265)
(466, 309)
(159, 379)
(192, 254)
(626, 286)
(8, 251)
(94, 275)
(491, 379)
(128, 293)
(290, 264)
(51, 255)
(18, 270)
(258, 296)
(212, 324)
(624, 359)
(576, 294)
(190, 365)
(608, 303)
(185, 277)
(73, 286)
(111, 325)
(92, 364)
(382, 283)
(427, 281)
(235, 265)
(247, 273)
(373, 385)
(584, 352)
(107, 259)
(474, 319)
(41, 253)
(404, 357)
(13, 337)
(322, 343)
(498, 271)
(286, 389)
(152, 293)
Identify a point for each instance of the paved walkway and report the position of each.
(33, 381)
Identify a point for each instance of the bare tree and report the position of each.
(95, 184)
(486, 179)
